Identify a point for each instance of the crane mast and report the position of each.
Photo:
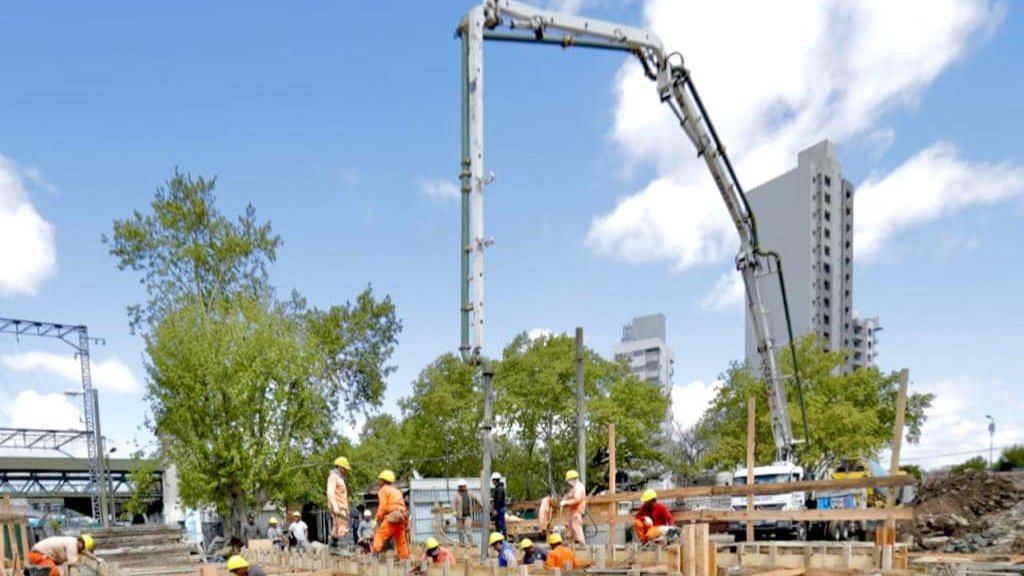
(511, 21)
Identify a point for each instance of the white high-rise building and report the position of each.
(644, 349)
(806, 215)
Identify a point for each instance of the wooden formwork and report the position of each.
(14, 546)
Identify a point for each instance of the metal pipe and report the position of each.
(563, 41)
(464, 348)
(486, 375)
(581, 437)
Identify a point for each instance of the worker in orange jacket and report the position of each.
(576, 501)
(559, 554)
(337, 500)
(392, 516)
(57, 551)
(653, 519)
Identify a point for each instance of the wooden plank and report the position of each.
(904, 513)
(783, 572)
(897, 441)
(751, 433)
(612, 506)
(761, 489)
(700, 550)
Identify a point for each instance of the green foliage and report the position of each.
(914, 470)
(978, 464)
(244, 390)
(848, 415)
(187, 249)
(1012, 458)
(535, 387)
(442, 419)
(142, 482)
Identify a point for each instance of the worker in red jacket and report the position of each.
(653, 520)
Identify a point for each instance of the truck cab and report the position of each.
(777, 473)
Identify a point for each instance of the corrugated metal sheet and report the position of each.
(425, 493)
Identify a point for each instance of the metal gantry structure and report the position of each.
(76, 336)
(32, 439)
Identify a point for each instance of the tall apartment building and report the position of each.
(806, 215)
(644, 349)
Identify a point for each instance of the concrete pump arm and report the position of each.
(506, 20)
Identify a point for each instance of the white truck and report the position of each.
(777, 473)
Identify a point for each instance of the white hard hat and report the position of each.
(496, 476)
(366, 514)
(462, 483)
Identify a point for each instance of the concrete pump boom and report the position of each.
(507, 20)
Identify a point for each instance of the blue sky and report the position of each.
(339, 122)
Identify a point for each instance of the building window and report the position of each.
(828, 198)
(849, 193)
(847, 244)
(828, 216)
(828, 234)
(827, 285)
(828, 303)
(825, 318)
(828, 253)
(828, 269)
(828, 181)
(847, 260)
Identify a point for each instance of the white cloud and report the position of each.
(957, 429)
(727, 294)
(834, 73)
(689, 401)
(30, 409)
(934, 183)
(109, 375)
(28, 256)
(537, 333)
(439, 189)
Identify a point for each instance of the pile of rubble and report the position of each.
(971, 512)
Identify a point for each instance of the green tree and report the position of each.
(442, 418)
(914, 470)
(143, 486)
(535, 386)
(977, 464)
(1012, 458)
(244, 389)
(849, 415)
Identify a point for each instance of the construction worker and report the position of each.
(433, 551)
(276, 535)
(240, 567)
(463, 505)
(365, 531)
(653, 519)
(337, 500)
(575, 500)
(299, 531)
(559, 554)
(233, 547)
(531, 554)
(250, 531)
(57, 551)
(500, 505)
(392, 516)
(545, 512)
(506, 555)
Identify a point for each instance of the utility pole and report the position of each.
(991, 437)
(486, 375)
(581, 436)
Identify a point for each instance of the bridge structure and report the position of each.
(68, 482)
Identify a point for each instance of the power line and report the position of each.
(964, 453)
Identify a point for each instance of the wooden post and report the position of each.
(689, 552)
(700, 550)
(751, 432)
(613, 507)
(897, 442)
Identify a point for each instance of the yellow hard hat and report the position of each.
(387, 476)
(236, 562)
(296, 514)
(88, 541)
(495, 537)
(571, 475)
(431, 543)
(272, 521)
(525, 543)
(342, 462)
(648, 495)
(554, 538)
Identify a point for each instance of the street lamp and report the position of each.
(991, 437)
(110, 483)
